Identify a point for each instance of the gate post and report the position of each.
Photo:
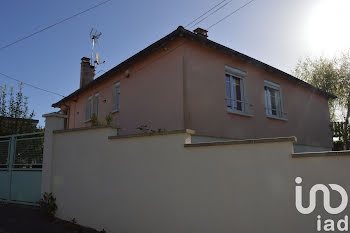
(12, 151)
(54, 121)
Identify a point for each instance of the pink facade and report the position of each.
(182, 85)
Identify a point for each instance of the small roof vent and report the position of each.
(201, 32)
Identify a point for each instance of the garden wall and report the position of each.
(161, 183)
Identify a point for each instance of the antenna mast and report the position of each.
(94, 35)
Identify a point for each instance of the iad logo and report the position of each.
(326, 198)
(329, 224)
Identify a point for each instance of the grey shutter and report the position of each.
(114, 96)
(118, 96)
(95, 105)
(88, 108)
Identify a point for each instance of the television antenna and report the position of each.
(98, 60)
(94, 35)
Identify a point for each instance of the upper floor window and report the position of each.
(91, 106)
(116, 97)
(235, 96)
(273, 101)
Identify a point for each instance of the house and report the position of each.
(186, 81)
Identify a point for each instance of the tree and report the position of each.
(333, 76)
(14, 112)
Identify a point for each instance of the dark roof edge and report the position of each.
(182, 32)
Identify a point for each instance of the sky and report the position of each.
(275, 32)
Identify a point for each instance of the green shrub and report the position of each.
(106, 121)
(94, 120)
(48, 204)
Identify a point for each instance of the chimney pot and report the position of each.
(201, 32)
(87, 72)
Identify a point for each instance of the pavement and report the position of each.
(28, 219)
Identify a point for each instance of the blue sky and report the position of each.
(273, 31)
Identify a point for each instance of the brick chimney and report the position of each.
(87, 72)
(201, 32)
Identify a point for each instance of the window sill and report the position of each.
(229, 110)
(87, 121)
(276, 118)
(114, 111)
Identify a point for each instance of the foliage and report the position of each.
(338, 145)
(14, 113)
(48, 204)
(106, 121)
(333, 76)
(94, 120)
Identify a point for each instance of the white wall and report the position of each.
(154, 184)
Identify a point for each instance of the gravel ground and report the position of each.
(27, 219)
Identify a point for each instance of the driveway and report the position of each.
(27, 219)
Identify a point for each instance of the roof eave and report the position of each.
(181, 32)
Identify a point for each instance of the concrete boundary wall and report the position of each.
(161, 183)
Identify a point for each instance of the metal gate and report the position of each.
(21, 159)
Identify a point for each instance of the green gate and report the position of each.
(21, 159)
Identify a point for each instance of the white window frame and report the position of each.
(279, 102)
(91, 106)
(116, 97)
(241, 75)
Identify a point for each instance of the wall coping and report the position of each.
(321, 154)
(54, 114)
(82, 129)
(187, 131)
(244, 141)
(210, 136)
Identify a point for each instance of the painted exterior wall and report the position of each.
(154, 184)
(206, 112)
(152, 95)
(183, 86)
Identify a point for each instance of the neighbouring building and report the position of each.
(185, 80)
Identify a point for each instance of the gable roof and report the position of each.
(181, 32)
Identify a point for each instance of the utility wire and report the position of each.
(52, 25)
(204, 14)
(230, 14)
(210, 14)
(30, 85)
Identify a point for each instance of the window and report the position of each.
(88, 108)
(273, 100)
(235, 98)
(91, 106)
(116, 97)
